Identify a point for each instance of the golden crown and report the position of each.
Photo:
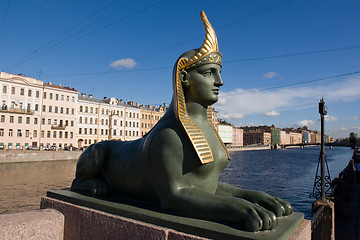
(209, 51)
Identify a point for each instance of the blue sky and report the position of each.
(279, 57)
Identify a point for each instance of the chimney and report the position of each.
(130, 103)
(59, 84)
(49, 82)
(138, 104)
(105, 97)
(83, 95)
(90, 95)
(121, 101)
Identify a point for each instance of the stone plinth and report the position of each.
(32, 225)
(87, 217)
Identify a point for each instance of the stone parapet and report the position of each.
(33, 225)
(89, 218)
(16, 156)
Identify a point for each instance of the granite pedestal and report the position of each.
(91, 218)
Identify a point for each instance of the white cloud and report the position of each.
(329, 118)
(229, 116)
(272, 114)
(242, 102)
(270, 75)
(123, 63)
(303, 123)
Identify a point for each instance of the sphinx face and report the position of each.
(203, 84)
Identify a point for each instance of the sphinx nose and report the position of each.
(218, 81)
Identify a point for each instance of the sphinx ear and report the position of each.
(184, 79)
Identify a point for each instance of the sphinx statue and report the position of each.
(178, 163)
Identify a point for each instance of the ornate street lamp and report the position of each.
(321, 189)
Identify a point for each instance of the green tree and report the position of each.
(353, 138)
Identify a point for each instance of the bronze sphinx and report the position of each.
(179, 161)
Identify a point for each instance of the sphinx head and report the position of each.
(201, 83)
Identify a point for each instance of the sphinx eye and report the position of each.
(207, 73)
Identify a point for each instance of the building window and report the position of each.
(91, 109)
(96, 110)
(37, 94)
(36, 107)
(54, 134)
(19, 133)
(27, 120)
(27, 133)
(29, 93)
(42, 133)
(95, 131)
(49, 121)
(66, 135)
(85, 131)
(86, 120)
(44, 108)
(95, 120)
(67, 110)
(50, 108)
(44, 95)
(28, 107)
(19, 119)
(56, 109)
(60, 134)
(1, 132)
(48, 134)
(13, 90)
(86, 109)
(67, 98)
(90, 131)
(51, 96)
(114, 132)
(43, 121)
(80, 120)
(11, 119)
(4, 89)
(57, 97)
(72, 99)
(79, 130)
(10, 132)
(91, 120)
(2, 118)
(72, 123)
(71, 135)
(35, 133)
(72, 111)
(35, 121)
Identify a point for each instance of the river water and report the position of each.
(286, 173)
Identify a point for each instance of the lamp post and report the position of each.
(321, 189)
(322, 111)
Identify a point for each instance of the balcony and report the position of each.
(17, 111)
(58, 127)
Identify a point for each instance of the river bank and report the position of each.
(248, 148)
(20, 156)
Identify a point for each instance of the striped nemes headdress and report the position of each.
(208, 53)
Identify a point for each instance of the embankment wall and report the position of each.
(15, 156)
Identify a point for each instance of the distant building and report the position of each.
(275, 136)
(149, 117)
(284, 138)
(238, 137)
(34, 113)
(106, 119)
(295, 138)
(225, 132)
(257, 138)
